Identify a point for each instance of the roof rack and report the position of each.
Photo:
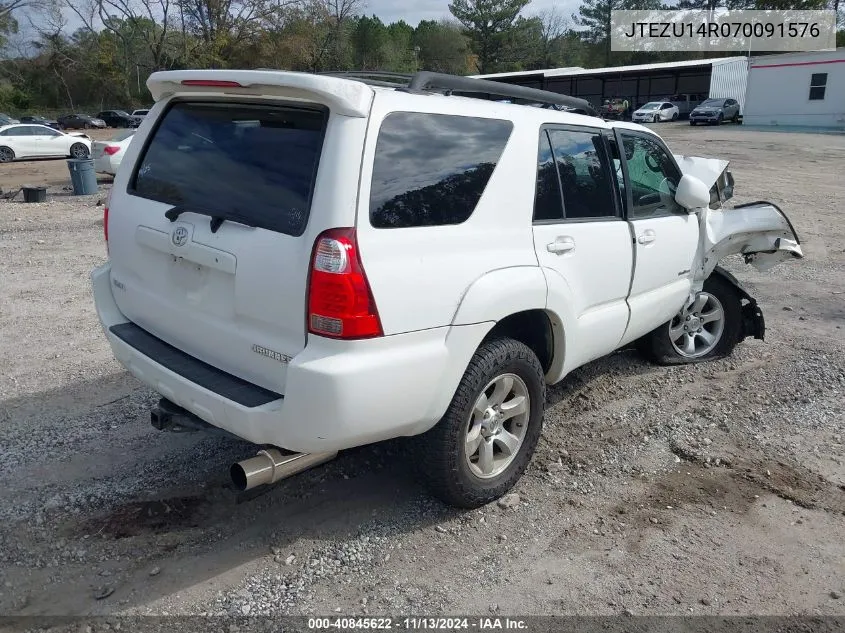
(426, 81)
(383, 79)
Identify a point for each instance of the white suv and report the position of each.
(314, 263)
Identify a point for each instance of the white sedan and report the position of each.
(655, 111)
(40, 141)
(108, 154)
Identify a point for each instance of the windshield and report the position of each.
(651, 106)
(121, 112)
(713, 103)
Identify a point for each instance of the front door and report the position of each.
(665, 235)
(583, 245)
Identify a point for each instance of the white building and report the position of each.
(797, 89)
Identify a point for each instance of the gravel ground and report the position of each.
(710, 489)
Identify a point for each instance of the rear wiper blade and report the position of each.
(217, 217)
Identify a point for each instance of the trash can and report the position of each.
(82, 176)
(34, 194)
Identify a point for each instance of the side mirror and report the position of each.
(691, 193)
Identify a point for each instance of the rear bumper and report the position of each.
(338, 394)
(103, 165)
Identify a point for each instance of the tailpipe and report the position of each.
(271, 465)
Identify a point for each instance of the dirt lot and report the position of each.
(714, 489)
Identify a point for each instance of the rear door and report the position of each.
(211, 232)
(580, 238)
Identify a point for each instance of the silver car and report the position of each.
(714, 111)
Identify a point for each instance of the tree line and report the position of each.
(104, 59)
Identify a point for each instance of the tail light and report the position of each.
(111, 149)
(340, 302)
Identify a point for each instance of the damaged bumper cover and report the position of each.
(759, 231)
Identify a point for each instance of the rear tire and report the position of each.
(718, 300)
(674, 116)
(458, 457)
(655, 119)
(6, 154)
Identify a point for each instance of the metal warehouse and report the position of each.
(698, 78)
(797, 89)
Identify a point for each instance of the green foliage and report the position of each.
(489, 25)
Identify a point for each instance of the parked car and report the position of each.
(140, 114)
(715, 111)
(617, 108)
(109, 154)
(117, 118)
(686, 102)
(39, 141)
(80, 122)
(40, 120)
(5, 119)
(427, 280)
(655, 111)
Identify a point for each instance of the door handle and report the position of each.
(647, 237)
(561, 245)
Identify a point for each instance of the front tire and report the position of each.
(655, 119)
(483, 443)
(79, 151)
(708, 329)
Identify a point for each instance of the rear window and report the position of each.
(431, 169)
(257, 162)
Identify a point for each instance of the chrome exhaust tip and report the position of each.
(271, 465)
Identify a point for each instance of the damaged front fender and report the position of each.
(759, 231)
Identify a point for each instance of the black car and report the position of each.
(40, 120)
(80, 122)
(117, 118)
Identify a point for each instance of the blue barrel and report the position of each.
(82, 176)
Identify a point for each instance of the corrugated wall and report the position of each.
(730, 80)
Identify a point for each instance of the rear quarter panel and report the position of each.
(419, 276)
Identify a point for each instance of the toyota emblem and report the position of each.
(179, 236)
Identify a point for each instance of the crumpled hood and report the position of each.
(707, 170)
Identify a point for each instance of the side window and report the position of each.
(431, 169)
(582, 166)
(653, 178)
(46, 131)
(548, 205)
(818, 85)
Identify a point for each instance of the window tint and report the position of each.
(818, 84)
(20, 130)
(548, 205)
(653, 177)
(431, 169)
(581, 165)
(257, 161)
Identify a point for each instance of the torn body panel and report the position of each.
(758, 231)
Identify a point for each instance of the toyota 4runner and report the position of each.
(314, 263)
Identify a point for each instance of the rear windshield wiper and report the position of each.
(217, 217)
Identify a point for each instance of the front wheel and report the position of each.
(708, 328)
(482, 445)
(655, 119)
(79, 151)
